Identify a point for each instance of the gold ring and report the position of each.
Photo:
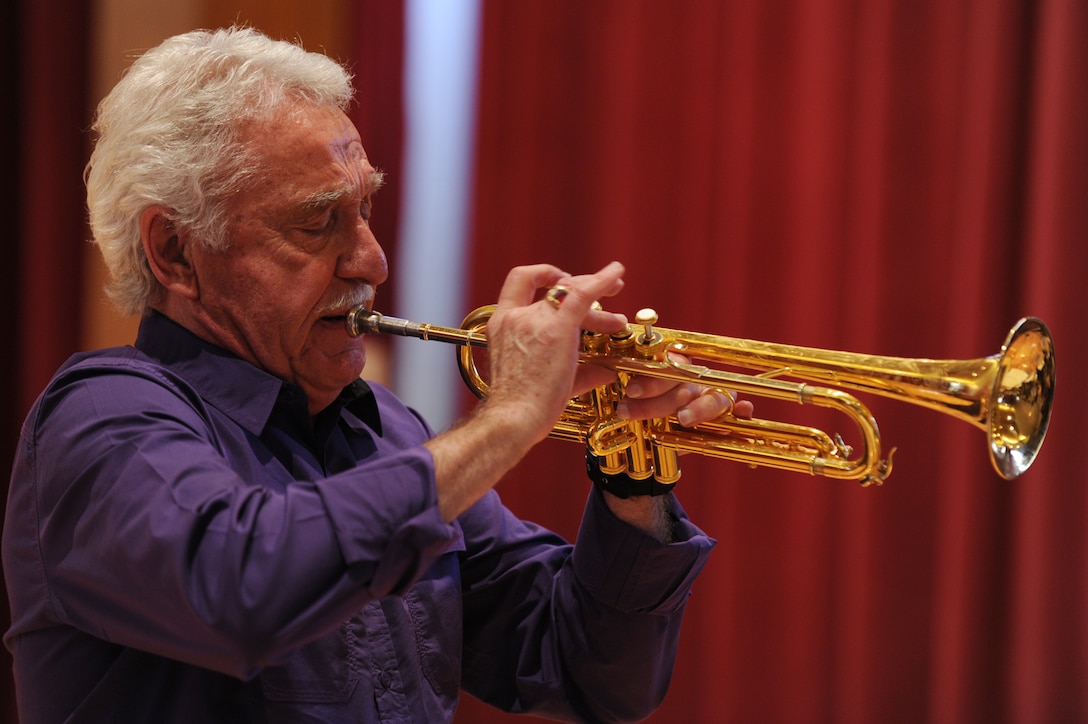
(556, 295)
(725, 393)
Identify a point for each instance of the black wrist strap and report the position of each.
(620, 485)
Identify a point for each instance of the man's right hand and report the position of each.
(533, 350)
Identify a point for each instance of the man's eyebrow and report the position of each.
(374, 181)
(331, 197)
(320, 200)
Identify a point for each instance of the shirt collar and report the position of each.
(242, 391)
(358, 399)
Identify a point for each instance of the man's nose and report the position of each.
(364, 258)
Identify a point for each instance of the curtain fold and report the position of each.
(1048, 646)
(49, 53)
(52, 229)
(898, 178)
(10, 126)
(377, 60)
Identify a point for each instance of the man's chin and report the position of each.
(337, 371)
(348, 367)
(324, 385)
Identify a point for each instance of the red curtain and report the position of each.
(44, 152)
(894, 177)
(377, 42)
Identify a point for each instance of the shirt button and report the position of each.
(384, 681)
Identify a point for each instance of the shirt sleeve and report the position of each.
(586, 632)
(156, 532)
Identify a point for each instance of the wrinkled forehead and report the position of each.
(315, 146)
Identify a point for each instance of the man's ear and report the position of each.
(169, 252)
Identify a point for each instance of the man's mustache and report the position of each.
(351, 298)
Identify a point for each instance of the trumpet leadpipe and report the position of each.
(361, 320)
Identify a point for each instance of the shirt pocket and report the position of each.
(322, 671)
(435, 608)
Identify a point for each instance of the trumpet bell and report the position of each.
(1022, 396)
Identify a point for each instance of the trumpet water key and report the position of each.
(1008, 395)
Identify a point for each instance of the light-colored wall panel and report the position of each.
(318, 25)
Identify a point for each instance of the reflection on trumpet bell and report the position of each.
(1008, 395)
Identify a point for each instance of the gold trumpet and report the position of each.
(1008, 395)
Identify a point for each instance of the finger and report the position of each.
(709, 405)
(583, 291)
(590, 376)
(744, 409)
(522, 283)
(608, 281)
(690, 403)
(647, 387)
(602, 322)
(662, 405)
(641, 387)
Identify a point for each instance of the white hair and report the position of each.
(168, 135)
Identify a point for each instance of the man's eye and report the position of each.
(319, 226)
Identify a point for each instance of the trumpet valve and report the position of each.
(650, 344)
(647, 318)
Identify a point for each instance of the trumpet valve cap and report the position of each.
(647, 318)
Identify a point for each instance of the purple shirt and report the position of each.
(183, 544)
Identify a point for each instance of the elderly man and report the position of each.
(223, 523)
